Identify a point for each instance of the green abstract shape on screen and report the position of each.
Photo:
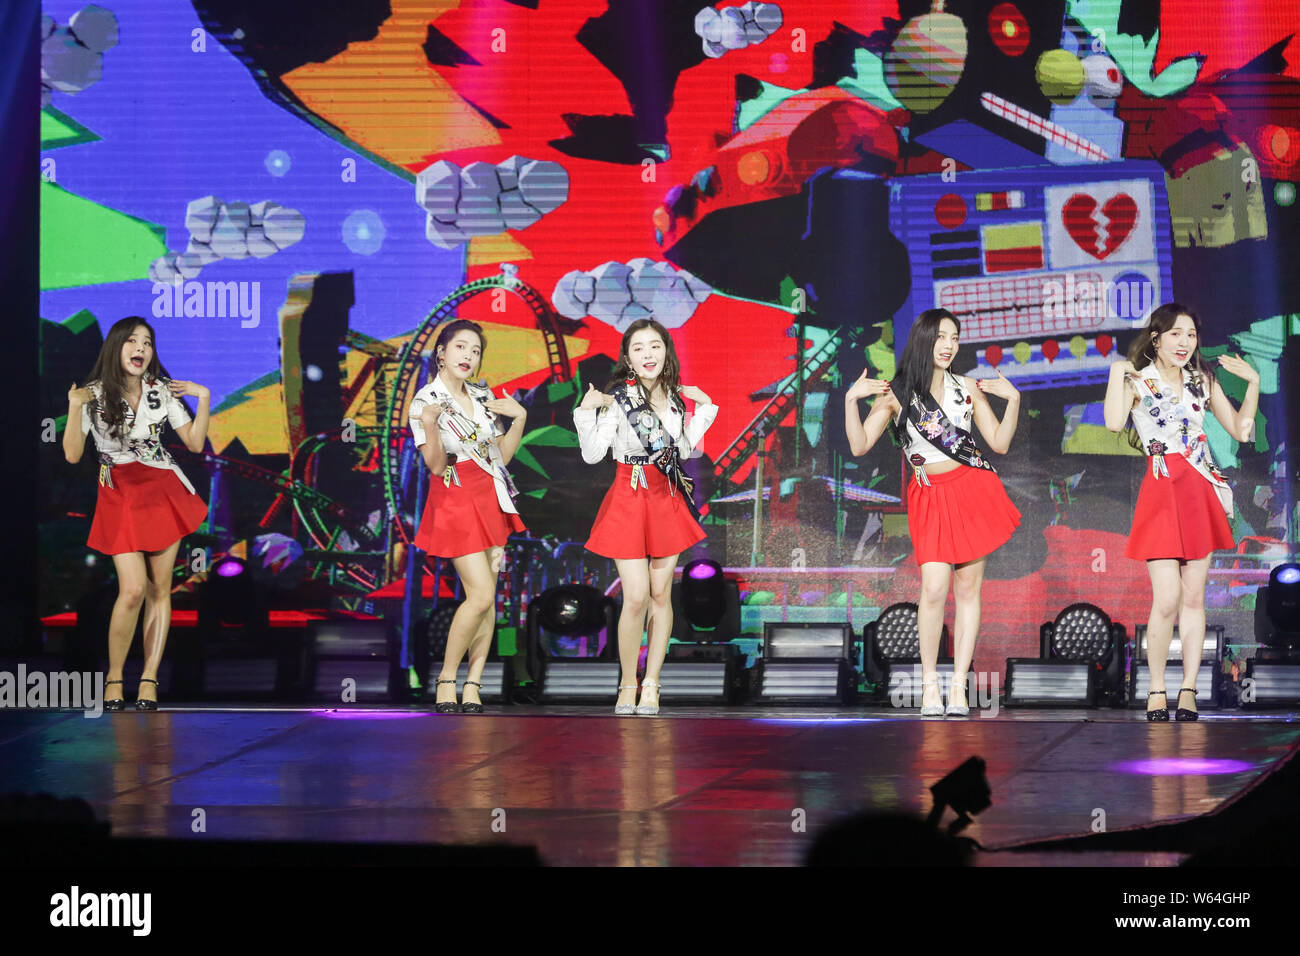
(59, 129)
(84, 243)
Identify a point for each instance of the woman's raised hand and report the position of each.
(80, 396)
(505, 405)
(1000, 386)
(179, 387)
(1239, 367)
(595, 398)
(867, 387)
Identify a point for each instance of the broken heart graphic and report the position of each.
(1118, 216)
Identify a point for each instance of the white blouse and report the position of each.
(606, 428)
(141, 440)
(489, 425)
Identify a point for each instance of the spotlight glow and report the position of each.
(702, 572)
(1182, 767)
(230, 568)
(368, 714)
(1288, 575)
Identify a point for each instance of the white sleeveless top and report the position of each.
(959, 409)
(1170, 424)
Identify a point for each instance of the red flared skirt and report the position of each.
(465, 518)
(1177, 517)
(651, 522)
(962, 516)
(147, 509)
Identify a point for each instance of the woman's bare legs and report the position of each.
(661, 622)
(967, 581)
(132, 583)
(157, 616)
(1166, 599)
(1191, 624)
(634, 573)
(935, 577)
(471, 627)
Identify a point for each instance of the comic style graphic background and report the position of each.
(296, 194)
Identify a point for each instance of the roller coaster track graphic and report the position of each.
(323, 534)
(750, 439)
(311, 505)
(408, 370)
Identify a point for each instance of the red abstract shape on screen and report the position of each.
(1051, 349)
(1009, 29)
(1117, 219)
(1104, 344)
(950, 211)
(993, 355)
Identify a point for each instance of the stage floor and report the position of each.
(694, 786)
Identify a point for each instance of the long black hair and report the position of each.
(916, 367)
(107, 371)
(669, 378)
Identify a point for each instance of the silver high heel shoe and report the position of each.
(649, 710)
(932, 710)
(956, 710)
(625, 710)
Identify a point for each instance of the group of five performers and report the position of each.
(958, 511)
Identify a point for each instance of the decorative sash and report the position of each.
(931, 421)
(1164, 428)
(655, 440)
(469, 432)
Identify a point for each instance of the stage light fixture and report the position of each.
(1034, 682)
(805, 663)
(1083, 633)
(230, 597)
(236, 655)
(1270, 683)
(704, 598)
(1277, 610)
(1211, 650)
(352, 661)
(1209, 681)
(701, 666)
(701, 674)
(706, 604)
(891, 652)
(572, 611)
(783, 640)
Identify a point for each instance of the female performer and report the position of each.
(145, 503)
(470, 511)
(957, 510)
(647, 518)
(1184, 501)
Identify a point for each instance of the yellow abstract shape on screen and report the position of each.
(385, 96)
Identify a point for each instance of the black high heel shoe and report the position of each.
(142, 703)
(447, 706)
(1162, 713)
(117, 703)
(1180, 713)
(469, 706)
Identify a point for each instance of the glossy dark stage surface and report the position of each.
(693, 786)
